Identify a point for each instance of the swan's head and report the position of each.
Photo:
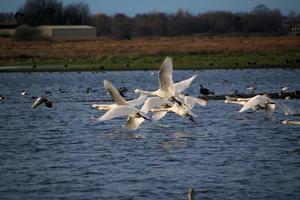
(284, 122)
(226, 101)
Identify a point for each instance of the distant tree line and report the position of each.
(261, 20)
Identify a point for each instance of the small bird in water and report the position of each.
(23, 93)
(61, 91)
(122, 91)
(252, 88)
(205, 91)
(2, 97)
(284, 89)
(41, 100)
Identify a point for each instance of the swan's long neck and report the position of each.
(102, 106)
(291, 122)
(235, 102)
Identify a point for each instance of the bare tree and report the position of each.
(77, 14)
(41, 12)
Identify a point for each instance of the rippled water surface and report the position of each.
(63, 153)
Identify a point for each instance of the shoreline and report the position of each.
(188, 53)
(264, 60)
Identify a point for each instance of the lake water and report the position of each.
(62, 153)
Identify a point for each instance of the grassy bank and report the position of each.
(148, 53)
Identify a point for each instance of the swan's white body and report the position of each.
(121, 107)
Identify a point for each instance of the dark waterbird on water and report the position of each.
(122, 91)
(41, 100)
(2, 97)
(205, 91)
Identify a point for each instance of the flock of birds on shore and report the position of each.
(169, 97)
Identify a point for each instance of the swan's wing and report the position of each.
(114, 93)
(269, 109)
(183, 85)
(191, 101)
(153, 102)
(158, 115)
(118, 111)
(165, 76)
(136, 102)
(133, 123)
(253, 103)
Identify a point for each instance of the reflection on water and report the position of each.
(63, 153)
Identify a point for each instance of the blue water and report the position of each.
(62, 153)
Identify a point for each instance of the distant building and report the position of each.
(292, 26)
(69, 32)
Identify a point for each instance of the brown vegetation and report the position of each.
(10, 49)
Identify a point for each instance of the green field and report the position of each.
(152, 62)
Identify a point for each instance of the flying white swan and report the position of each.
(166, 88)
(121, 106)
(255, 103)
(170, 91)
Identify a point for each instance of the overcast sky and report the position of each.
(131, 7)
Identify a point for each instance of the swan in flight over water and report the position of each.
(255, 103)
(41, 100)
(173, 92)
(121, 107)
(166, 88)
